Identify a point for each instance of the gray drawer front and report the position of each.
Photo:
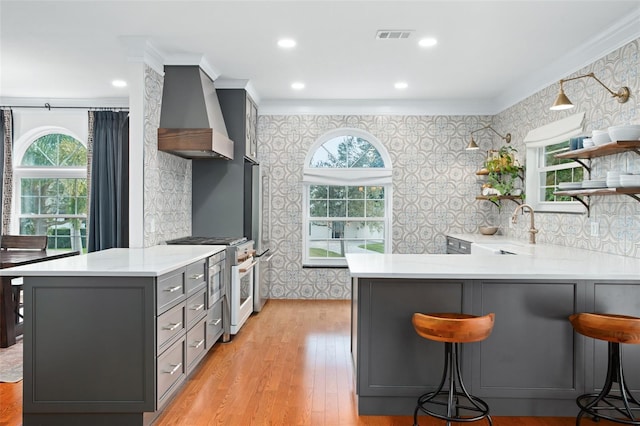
(196, 344)
(196, 307)
(455, 245)
(196, 276)
(214, 324)
(171, 288)
(170, 324)
(171, 370)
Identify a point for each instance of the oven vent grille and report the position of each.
(393, 34)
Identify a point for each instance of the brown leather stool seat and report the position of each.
(614, 329)
(453, 329)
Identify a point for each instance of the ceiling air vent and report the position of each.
(393, 34)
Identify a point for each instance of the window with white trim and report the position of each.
(545, 172)
(50, 189)
(347, 198)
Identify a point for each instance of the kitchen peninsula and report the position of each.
(110, 336)
(533, 364)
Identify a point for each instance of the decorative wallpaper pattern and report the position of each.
(167, 178)
(618, 216)
(434, 181)
(434, 187)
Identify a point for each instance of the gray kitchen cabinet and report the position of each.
(532, 363)
(111, 350)
(241, 118)
(457, 246)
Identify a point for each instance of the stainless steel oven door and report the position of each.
(241, 300)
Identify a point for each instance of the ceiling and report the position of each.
(490, 54)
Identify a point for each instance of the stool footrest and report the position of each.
(586, 403)
(623, 404)
(479, 406)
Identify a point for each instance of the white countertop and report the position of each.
(539, 261)
(119, 262)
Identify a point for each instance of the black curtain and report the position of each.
(109, 204)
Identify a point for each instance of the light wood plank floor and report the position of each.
(289, 365)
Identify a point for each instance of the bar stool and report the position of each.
(453, 329)
(615, 329)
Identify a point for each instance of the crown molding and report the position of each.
(64, 102)
(618, 35)
(140, 49)
(193, 59)
(621, 33)
(376, 107)
(235, 83)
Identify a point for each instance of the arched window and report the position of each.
(347, 198)
(50, 188)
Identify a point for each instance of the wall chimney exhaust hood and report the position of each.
(191, 122)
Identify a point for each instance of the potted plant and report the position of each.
(504, 170)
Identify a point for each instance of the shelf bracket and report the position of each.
(634, 196)
(583, 164)
(584, 203)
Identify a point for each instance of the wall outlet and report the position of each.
(595, 229)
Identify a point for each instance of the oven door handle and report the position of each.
(243, 269)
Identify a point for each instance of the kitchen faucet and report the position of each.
(532, 231)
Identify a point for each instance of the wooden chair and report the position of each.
(452, 329)
(21, 242)
(614, 329)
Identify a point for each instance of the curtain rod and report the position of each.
(48, 106)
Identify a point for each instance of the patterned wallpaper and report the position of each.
(434, 181)
(434, 185)
(618, 216)
(167, 178)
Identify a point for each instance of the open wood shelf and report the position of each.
(495, 199)
(600, 191)
(602, 150)
(581, 194)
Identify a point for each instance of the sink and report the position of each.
(498, 248)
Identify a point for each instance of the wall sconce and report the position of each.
(562, 102)
(472, 144)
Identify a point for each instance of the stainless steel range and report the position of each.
(234, 281)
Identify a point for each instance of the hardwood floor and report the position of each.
(289, 365)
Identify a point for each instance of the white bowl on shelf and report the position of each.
(600, 137)
(629, 132)
(587, 143)
(627, 181)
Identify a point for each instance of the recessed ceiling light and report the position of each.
(428, 42)
(286, 43)
(401, 85)
(297, 85)
(119, 83)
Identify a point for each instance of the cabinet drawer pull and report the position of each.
(196, 276)
(175, 368)
(198, 344)
(215, 322)
(197, 308)
(463, 247)
(173, 326)
(172, 289)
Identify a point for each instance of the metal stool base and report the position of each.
(456, 400)
(624, 404)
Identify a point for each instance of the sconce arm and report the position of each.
(623, 93)
(507, 137)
